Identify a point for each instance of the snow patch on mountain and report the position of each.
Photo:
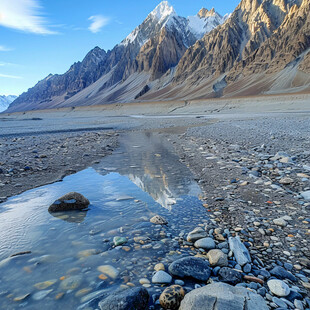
(199, 24)
(5, 101)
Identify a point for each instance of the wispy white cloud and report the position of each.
(7, 76)
(97, 22)
(23, 15)
(7, 64)
(2, 47)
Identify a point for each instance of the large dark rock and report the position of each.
(230, 276)
(130, 299)
(221, 296)
(282, 274)
(191, 267)
(69, 202)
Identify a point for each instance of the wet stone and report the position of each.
(41, 295)
(158, 220)
(69, 202)
(119, 240)
(71, 283)
(109, 270)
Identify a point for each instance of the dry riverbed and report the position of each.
(254, 171)
(30, 161)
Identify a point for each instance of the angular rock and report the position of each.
(119, 240)
(69, 202)
(196, 234)
(205, 243)
(230, 276)
(161, 277)
(217, 258)
(158, 220)
(171, 297)
(280, 222)
(279, 288)
(241, 253)
(129, 299)
(191, 267)
(282, 274)
(286, 181)
(305, 195)
(222, 296)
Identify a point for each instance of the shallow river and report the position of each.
(72, 261)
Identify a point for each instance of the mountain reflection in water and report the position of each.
(148, 161)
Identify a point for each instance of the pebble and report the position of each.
(158, 220)
(171, 297)
(280, 222)
(196, 234)
(217, 258)
(205, 243)
(41, 295)
(71, 283)
(119, 240)
(278, 288)
(161, 277)
(159, 266)
(109, 271)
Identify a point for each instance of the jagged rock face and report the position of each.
(154, 47)
(79, 76)
(249, 26)
(287, 45)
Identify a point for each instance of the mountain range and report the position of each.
(5, 101)
(261, 48)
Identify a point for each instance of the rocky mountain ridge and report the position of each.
(202, 56)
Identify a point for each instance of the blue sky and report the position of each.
(38, 37)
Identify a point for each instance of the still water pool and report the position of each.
(69, 259)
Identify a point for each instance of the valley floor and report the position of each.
(251, 157)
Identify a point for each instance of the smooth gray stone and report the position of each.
(221, 296)
(241, 253)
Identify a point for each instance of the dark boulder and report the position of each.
(191, 267)
(129, 299)
(69, 202)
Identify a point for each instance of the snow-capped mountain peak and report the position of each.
(205, 21)
(162, 11)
